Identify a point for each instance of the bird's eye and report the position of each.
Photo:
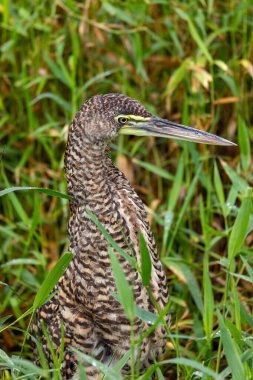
(122, 120)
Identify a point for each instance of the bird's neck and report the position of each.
(87, 166)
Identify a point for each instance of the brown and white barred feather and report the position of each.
(94, 321)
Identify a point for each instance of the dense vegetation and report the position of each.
(188, 61)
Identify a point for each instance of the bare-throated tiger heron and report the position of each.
(94, 321)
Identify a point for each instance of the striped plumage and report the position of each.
(94, 321)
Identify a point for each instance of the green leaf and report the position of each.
(177, 77)
(153, 169)
(184, 206)
(120, 13)
(204, 222)
(97, 78)
(120, 363)
(53, 193)
(57, 71)
(24, 366)
(242, 277)
(195, 35)
(173, 196)
(240, 227)
(5, 358)
(155, 322)
(4, 319)
(248, 267)
(184, 362)
(110, 240)
(188, 277)
(18, 207)
(236, 309)
(231, 351)
(21, 262)
(108, 371)
(81, 371)
(208, 314)
(124, 289)
(177, 184)
(238, 182)
(145, 315)
(146, 265)
(56, 98)
(219, 189)
(51, 280)
(244, 143)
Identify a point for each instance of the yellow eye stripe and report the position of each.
(132, 118)
(138, 118)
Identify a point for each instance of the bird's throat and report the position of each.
(86, 169)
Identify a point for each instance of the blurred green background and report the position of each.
(188, 61)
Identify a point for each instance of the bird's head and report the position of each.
(102, 117)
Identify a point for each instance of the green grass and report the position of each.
(189, 61)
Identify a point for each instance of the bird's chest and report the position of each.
(122, 216)
(118, 216)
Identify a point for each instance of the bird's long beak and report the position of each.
(155, 126)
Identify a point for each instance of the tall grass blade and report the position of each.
(183, 362)
(238, 182)
(208, 314)
(53, 193)
(177, 77)
(195, 35)
(110, 372)
(153, 169)
(110, 239)
(240, 226)
(146, 265)
(231, 351)
(52, 279)
(125, 292)
(120, 363)
(244, 143)
(219, 189)
(66, 106)
(188, 277)
(177, 184)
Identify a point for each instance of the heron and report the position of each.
(83, 302)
